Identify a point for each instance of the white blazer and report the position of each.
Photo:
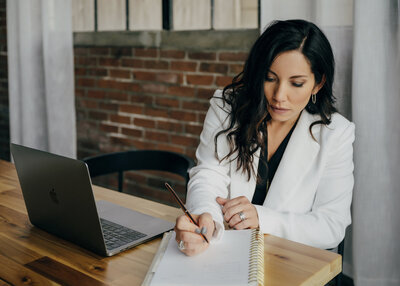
(310, 196)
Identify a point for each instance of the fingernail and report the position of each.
(204, 230)
(197, 230)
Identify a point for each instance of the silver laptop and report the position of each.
(59, 199)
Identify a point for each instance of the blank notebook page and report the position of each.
(224, 263)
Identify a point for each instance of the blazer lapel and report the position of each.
(296, 161)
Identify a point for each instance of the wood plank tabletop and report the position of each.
(31, 256)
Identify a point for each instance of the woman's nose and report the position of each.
(280, 93)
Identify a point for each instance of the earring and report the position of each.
(314, 98)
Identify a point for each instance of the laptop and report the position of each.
(59, 199)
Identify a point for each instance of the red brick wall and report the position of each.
(4, 113)
(146, 98)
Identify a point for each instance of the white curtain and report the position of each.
(376, 113)
(41, 75)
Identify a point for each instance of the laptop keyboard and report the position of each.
(116, 235)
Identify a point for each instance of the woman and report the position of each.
(274, 154)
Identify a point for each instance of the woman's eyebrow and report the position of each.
(294, 76)
(297, 76)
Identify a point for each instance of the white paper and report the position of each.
(223, 263)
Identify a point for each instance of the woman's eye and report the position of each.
(295, 84)
(270, 79)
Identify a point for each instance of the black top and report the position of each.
(266, 172)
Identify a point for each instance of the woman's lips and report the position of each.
(279, 110)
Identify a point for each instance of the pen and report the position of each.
(187, 213)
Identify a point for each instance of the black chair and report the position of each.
(135, 160)
(338, 280)
(339, 277)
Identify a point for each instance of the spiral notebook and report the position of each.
(238, 259)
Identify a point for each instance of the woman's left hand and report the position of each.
(239, 212)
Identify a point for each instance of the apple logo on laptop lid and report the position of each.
(53, 196)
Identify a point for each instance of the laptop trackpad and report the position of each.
(135, 220)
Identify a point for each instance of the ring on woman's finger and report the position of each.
(242, 216)
(181, 245)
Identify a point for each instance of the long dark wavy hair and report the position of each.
(247, 128)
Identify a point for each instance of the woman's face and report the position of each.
(288, 86)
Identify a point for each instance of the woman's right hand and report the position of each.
(190, 234)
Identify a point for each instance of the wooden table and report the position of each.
(30, 256)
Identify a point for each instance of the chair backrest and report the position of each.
(135, 160)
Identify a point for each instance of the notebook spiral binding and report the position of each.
(256, 265)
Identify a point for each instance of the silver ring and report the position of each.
(242, 216)
(181, 245)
